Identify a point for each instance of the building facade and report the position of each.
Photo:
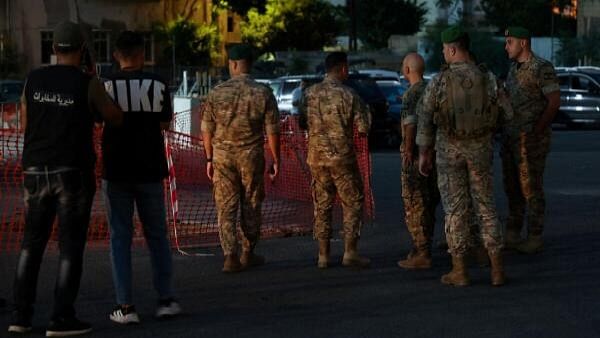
(28, 24)
(588, 17)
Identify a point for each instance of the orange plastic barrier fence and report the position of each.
(287, 209)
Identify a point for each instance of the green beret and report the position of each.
(452, 34)
(517, 32)
(240, 51)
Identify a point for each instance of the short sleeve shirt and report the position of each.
(238, 112)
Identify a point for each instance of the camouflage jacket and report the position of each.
(527, 84)
(330, 111)
(237, 111)
(410, 100)
(435, 97)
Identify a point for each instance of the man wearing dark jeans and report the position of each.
(134, 171)
(59, 106)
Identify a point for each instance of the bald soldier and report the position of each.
(330, 111)
(534, 94)
(235, 116)
(420, 194)
(458, 116)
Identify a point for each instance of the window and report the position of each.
(148, 48)
(289, 86)
(46, 46)
(275, 87)
(580, 83)
(102, 46)
(563, 82)
(229, 24)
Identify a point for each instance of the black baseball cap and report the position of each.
(68, 35)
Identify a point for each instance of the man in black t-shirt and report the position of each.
(59, 106)
(134, 169)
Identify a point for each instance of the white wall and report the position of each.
(542, 47)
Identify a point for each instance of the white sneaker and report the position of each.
(167, 308)
(124, 315)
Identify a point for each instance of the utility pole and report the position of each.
(352, 38)
(173, 59)
(552, 31)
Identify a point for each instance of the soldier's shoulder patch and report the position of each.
(482, 67)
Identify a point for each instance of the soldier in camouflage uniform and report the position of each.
(459, 115)
(420, 194)
(330, 111)
(235, 115)
(534, 93)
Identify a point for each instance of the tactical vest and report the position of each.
(468, 111)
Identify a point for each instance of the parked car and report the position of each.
(10, 93)
(383, 132)
(579, 96)
(393, 91)
(10, 90)
(383, 128)
(381, 74)
(284, 86)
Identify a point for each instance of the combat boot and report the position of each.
(351, 257)
(416, 259)
(323, 262)
(512, 240)
(458, 275)
(497, 271)
(232, 264)
(533, 244)
(250, 259)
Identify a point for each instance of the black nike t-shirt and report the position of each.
(135, 152)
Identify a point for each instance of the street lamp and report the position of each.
(554, 10)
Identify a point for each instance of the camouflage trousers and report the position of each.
(465, 180)
(345, 179)
(420, 196)
(523, 162)
(239, 182)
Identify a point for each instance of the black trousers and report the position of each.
(51, 192)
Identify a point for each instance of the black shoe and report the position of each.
(63, 327)
(21, 323)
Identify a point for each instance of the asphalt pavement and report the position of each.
(552, 294)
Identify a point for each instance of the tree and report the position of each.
(536, 15)
(299, 25)
(487, 49)
(194, 44)
(574, 50)
(174, 9)
(378, 19)
(243, 6)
